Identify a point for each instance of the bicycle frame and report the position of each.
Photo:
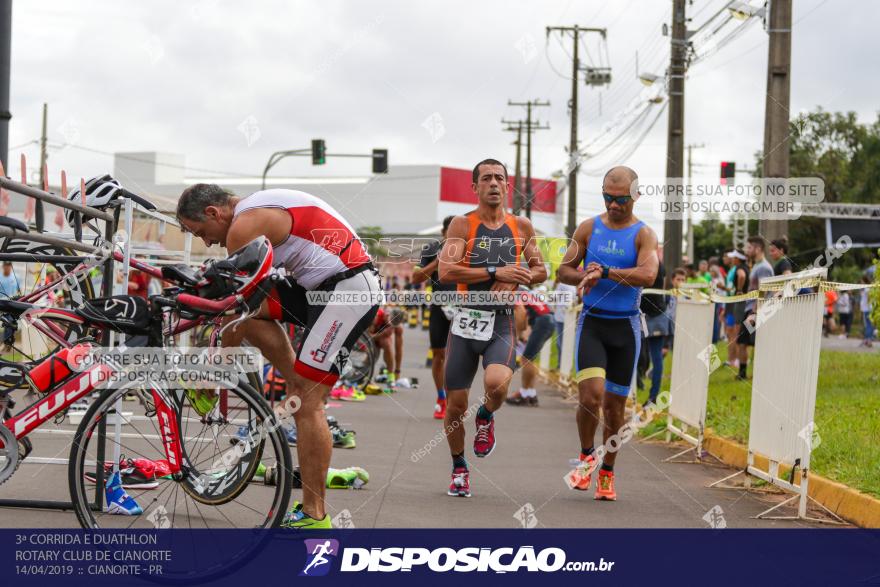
(63, 395)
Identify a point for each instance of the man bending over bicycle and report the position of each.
(321, 253)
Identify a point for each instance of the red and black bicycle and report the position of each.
(184, 433)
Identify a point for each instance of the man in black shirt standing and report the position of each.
(779, 253)
(653, 306)
(438, 322)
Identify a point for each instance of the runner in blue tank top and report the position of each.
(618, 253)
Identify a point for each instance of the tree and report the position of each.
(845, 154)
(712, 238)
(372, 238)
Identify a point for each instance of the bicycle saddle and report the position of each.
(123, 313)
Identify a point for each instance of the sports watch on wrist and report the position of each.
(491, 269)
(605, 270)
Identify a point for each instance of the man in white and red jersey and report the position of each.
(321, 253)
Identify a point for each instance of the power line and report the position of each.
(151, 162)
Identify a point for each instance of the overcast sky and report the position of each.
(227, 83)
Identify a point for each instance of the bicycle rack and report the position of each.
(108, 338)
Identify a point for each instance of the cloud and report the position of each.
(181, 77)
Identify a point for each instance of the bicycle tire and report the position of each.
(78, 290)
(81, 493)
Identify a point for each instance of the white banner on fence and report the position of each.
(781, 425)
(693, 359)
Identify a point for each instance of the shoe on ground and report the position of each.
(296, 519)
(133, 473)
(460, 485)
(533, 401)
(349, 478)
(605, 487)
(118, 501)
(373, 389)
(354, 395)
(343, 439)
(440, 409)
(484, 441)
(516, 399)
(580, 477)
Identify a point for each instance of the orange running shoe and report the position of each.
(579, 478)
(605, 486)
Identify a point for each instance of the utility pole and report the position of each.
(776, 114)
(5, 59)
(573, 149)
(530, 128)
(39, 218)
(43, 140)
(517, 184)
(690, 218)
(675, 131)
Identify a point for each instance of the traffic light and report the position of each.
(728, 172)
(380, 160)
(319, 152)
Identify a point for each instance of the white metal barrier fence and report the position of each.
(786, 370)
(569, 343)
(784, 389)
(694, 357)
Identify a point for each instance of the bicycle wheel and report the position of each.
(167, 502)
(214, 478)
(33, 264)
(358, 370)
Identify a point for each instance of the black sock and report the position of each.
(742, 369)
(607, 467)
(458, 461)
(585, 452)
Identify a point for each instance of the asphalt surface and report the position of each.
(521, 483)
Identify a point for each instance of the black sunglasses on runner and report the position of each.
(619, 200)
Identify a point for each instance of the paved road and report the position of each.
(852, 345)
(526, 468)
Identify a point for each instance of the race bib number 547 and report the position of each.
(473, 324)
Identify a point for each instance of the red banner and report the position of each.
(455, 186)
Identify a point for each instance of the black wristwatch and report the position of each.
(605, 270)
(491, 269)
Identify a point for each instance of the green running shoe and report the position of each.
(296, 519)
(349, 478)
(343, 439)
(202, 400)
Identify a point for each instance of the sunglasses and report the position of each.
(619, 200)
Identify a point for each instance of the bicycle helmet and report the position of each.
(100, 191)
(240, 273)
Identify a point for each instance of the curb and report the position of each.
(850, 504)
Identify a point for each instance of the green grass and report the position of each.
(847, 415)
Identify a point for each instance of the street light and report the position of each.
(744, 11)
(648, 79)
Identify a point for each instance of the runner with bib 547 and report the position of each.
(482, 254)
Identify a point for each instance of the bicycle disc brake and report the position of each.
(9, 460)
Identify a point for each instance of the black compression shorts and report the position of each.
(438, 328)
(608, 348)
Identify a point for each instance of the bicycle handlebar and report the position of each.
(138, 200)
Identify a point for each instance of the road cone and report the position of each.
(429, 360)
